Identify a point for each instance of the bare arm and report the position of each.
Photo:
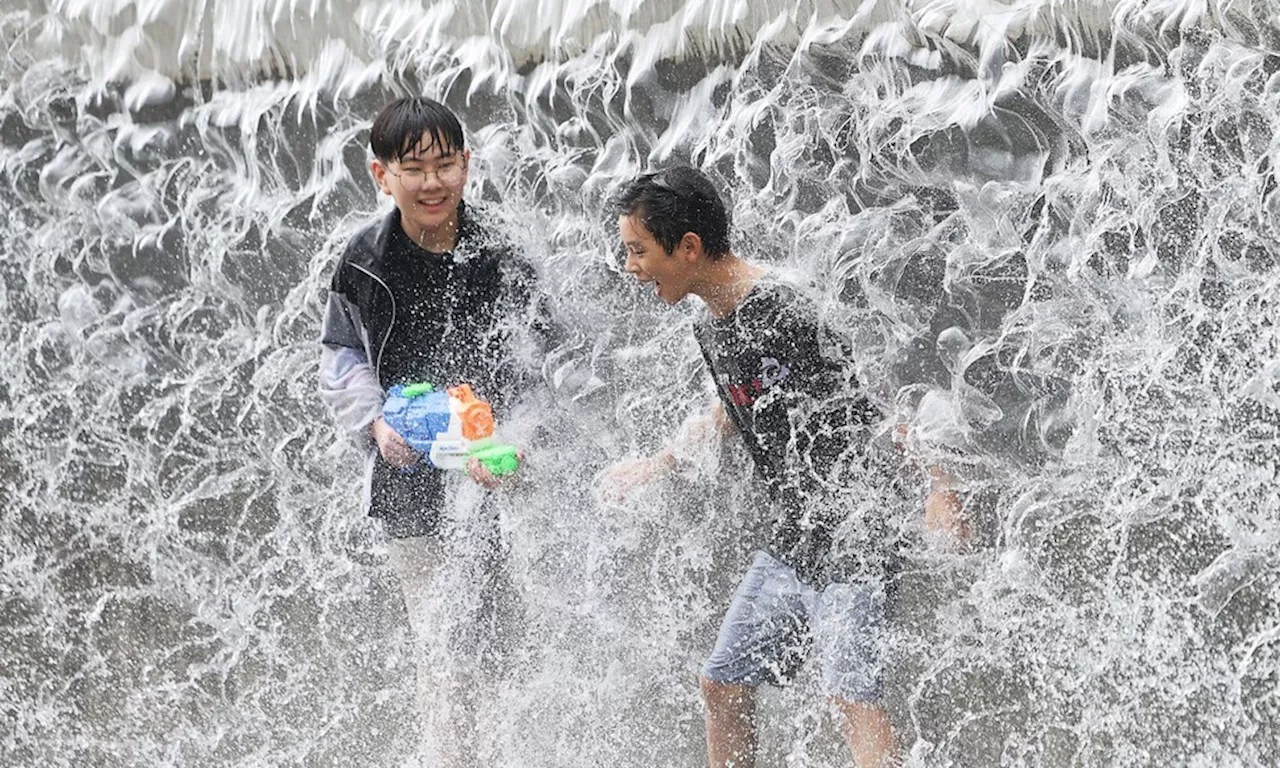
(943, 509)
(700, 431)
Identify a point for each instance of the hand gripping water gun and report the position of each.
(449, 427)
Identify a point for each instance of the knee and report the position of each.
(717, 695)
(710, 688)
(861, 715)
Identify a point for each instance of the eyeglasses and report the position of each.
(449, 172)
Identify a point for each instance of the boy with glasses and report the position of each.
(823, 582)
(428, 294)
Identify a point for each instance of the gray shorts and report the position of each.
(775, 621)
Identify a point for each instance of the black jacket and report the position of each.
(497, 290)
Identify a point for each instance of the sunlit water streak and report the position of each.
(1051, 233)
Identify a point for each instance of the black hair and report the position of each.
(400, 126)
(676, 201)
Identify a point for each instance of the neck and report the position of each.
(435, 239)
(725, 282)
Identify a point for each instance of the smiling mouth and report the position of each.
(432, 203)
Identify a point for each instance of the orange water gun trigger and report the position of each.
(475, 414)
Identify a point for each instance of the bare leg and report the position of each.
(868, 733)
(731, 724)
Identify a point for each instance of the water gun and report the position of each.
(449, 428)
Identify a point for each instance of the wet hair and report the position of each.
(400, 126)
(674, 202)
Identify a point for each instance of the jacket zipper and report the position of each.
(377, 363)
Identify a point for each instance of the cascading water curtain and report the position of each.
(1049, 233)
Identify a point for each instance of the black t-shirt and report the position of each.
(419, 281)
(453, 318)
(449, 308)
(802, 415)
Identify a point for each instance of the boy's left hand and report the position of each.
(481, 475)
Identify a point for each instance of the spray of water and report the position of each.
(1048, 231)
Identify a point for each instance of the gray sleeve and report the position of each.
(349, 384)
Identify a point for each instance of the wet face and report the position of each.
(648, 262)
(427, 186)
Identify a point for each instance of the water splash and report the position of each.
(1048, 229)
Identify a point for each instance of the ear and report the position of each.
(466, 166)
(379, 172)
(690, 246)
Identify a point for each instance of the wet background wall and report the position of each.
(1049, 232)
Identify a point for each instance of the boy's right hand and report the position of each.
(943, 508)
(395, 451)
(944, 511)
(622, 479)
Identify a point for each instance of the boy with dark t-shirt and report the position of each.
(427, 294)
(824, 579)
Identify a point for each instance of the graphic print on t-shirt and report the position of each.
(745, 392)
